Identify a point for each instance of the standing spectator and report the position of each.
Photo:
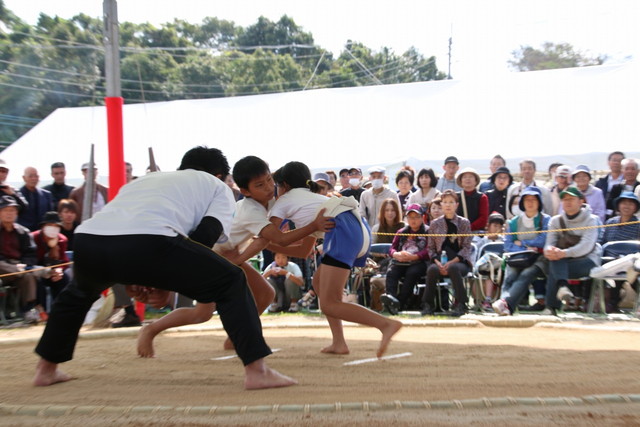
(18, 252)
(389, 222)
(371, 199)
(614, 176)
(6, 189)
(409, 255)
(528, 172)
(501, 180)
(100, 196)
(354, 189)
(563, 180)
(51, 249)
(68, 211)
(627, 204)
(344, 179)
(128, 172)
(571, 254)
(448, 180)
(629, 183)
(404, 182)
(553, 168)
(426, 191)
(473, 205)
(59, 189)
(582, 179)
(324, 183)
(496, 162)
(39, 200)
(333, 179)
(450, 256)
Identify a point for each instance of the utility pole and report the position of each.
(113, 100)
(450, 43)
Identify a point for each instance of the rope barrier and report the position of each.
(16, 273)
(587, 227)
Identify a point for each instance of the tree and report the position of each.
(551, 56)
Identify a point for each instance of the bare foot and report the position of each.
(47, 373)
(393, 326)
(145, 342)
(228, 345)
(258, 376)
(336, 349)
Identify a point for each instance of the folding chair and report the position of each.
(610, 252)
(474, 279)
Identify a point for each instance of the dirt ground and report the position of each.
(449, 368)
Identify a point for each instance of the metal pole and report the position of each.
(111, 43)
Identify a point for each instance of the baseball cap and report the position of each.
(571, 190)
(321, 176)
(451, 159)
(564, 171)
(414, 207)
(374, 169)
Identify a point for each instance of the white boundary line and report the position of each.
(377, 359)
(235, 355)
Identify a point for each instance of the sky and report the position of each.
(484, 32)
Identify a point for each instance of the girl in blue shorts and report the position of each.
(344, 247)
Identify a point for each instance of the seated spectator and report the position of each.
(450, 256)
(68, 211)
(497, 195)
(448, 180)
(18, 253)
(51, 249)
(404, 182)
(562, 179)
(629, 183)
(426, 191)
(435, 209)
(371, 199)
(627, 204)
(473, 205)
(40, 201)
(582, 179)
(571, 254)
(353, 189)
(389, 222)
(7, 190)
(528, 173)
(517, 280)
(495, 228)
(613, 177)
(409, 255)
(286, 279)
(496, 162)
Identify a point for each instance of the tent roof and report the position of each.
(567, 112)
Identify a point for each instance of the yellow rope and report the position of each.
(588, 227)
(15, 273)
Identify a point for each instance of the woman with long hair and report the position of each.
(389, 222)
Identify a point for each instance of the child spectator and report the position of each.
(286, 279)
(494, 231)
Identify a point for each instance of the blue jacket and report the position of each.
(40, 202)
(542, 223)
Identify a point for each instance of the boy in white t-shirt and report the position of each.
(251, 231)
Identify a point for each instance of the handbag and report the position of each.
(522, 259)
(566, 239)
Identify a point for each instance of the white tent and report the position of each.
(573, 115)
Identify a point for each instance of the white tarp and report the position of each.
(565, 114)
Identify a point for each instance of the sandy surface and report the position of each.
(455, 365)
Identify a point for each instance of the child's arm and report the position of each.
(256, 245)
(274, 235)
(301, 250)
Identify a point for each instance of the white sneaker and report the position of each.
(549, 312)
(501, 307)
(564, 294)
(293, 308)
(31, 316)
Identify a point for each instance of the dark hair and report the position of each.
(432, 175)
(529, 161)
(613, 153)
(210, 160)
(449, 193)
(295, 175)
(498, 156)
(57, 165)
(333, 174)
(553, 165)
(404, 174)
(70, 204)
(248, 168)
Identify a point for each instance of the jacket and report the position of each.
(439, 226)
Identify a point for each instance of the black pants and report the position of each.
(173, 263)
(456, 271)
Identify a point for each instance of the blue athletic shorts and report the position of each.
(344, 242)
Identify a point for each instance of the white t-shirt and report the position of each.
(249, 220)
(299, 205)
(165, 204)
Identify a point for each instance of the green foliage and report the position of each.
(60, 63)
(551, 56)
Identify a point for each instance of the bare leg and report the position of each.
(180, 317)
(331, 285)
(338, 344)
(258, 375)
(47, 373)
